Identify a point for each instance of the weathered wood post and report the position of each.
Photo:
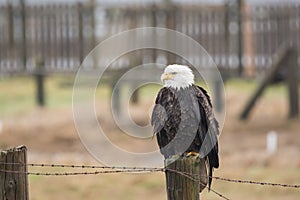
(171, 12)
(234, 22)
(92, 8)
(136, 58)
(182, 186)
(10, 18)
(23, 28)
(80, 32)
(116, 93)
(285, 57)
(39, 77)
(240, 4)
(154, 24)
(292, 83)
(13, 185)
(279, 60)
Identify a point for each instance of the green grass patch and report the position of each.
(250, 86)
(18, 94)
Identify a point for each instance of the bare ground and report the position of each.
(51, 137)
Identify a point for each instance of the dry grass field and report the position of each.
(50, 136)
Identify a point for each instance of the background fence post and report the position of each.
(279, 60)
(13, 185)
(234, 23)
(10, 19)
(24, 42)
(240, 4)
(180, 187)
(80, 33)
(40, 76)
(292, 82)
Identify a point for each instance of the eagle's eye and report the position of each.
(173, 73)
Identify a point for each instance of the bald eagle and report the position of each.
(183, 118)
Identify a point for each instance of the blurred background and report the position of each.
(255, 45)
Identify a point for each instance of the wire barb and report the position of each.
(191, 176)
(122, 169)
(82, 173)
(256, 182)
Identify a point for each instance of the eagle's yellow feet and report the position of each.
(192, 154)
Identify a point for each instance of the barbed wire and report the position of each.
(122, 169)
(190, 176)
(256, 182)
(81, 166)
(117, 169)
(83, 173)
(112, 169)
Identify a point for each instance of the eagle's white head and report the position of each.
(177, 76)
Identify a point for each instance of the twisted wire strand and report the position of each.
(122, 169)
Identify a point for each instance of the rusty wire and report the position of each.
(122, 169)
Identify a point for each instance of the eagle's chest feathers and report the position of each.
(182, 112)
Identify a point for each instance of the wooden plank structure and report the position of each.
(240, 38)
(13, 185)
(285, 58)
(64, 33)
(61, 33)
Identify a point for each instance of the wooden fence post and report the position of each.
(80, 32)
(181, 186)
(40, 77)
(23, 26)
(240, 4)
(292, 82)
(235, 32)
(13, 185)
(280, 59)
(10, 19)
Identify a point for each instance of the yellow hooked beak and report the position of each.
(166, 76)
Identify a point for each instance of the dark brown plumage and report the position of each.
(183, 122)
